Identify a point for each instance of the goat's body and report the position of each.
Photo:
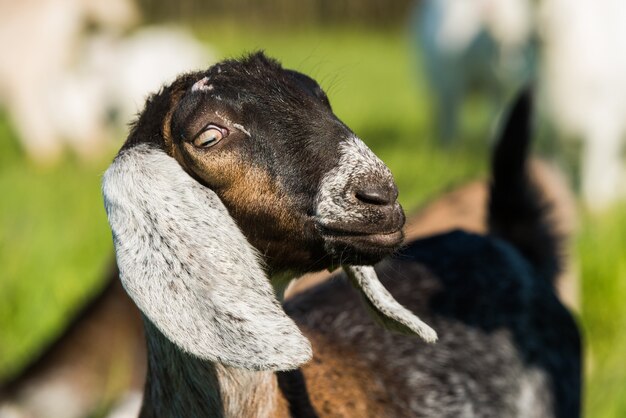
(497, 353)
(507, 347)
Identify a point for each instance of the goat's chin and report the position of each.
(362, 249)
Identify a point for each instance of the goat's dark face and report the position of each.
(306, 192)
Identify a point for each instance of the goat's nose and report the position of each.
(377, 194)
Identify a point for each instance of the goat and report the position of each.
(497, 44)
(61, 86)
(241, 176)
(585, 92)
(38, 40)
(482, 44)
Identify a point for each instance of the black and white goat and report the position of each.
(241, 177)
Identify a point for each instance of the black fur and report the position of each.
(517, 213)
(500, 326)
(292, 384)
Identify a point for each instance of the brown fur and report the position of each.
(258, 199)
(255, 199)
(355, 390)
(282, 406)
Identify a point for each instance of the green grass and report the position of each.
(55, 243)
(600, 248)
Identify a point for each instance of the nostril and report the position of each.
(377, 195)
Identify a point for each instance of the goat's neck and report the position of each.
(181, 385)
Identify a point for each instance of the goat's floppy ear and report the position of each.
(190, 270)
(384, 307)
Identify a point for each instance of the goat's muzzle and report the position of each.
(370, 226)
(357, 214)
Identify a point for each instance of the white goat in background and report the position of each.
(467, 44)
(60, 83)
(582, 66)
(37, 41)
(584, 83)
(95, 100)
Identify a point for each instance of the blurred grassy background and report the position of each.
(55, 243)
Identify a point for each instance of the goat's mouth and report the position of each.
(355, 247)
(361, 233)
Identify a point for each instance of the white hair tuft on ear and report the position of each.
(383, 305)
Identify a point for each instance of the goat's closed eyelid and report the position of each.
(210, 135)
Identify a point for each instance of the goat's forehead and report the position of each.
(251, 69)
(253, 79)
(257, 93)
(273, 106)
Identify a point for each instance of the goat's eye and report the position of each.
(209, 137)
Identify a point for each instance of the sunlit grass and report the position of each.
(55, 243)
(601, 250)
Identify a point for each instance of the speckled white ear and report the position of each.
(384, 307)
(189, 268)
